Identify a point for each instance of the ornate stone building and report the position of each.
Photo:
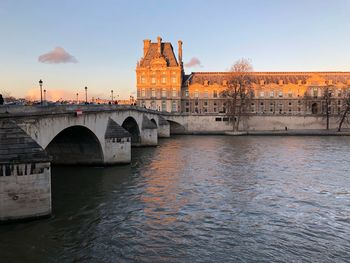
(160, 76)
(163, 85)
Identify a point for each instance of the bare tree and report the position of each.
(344, 113)
(327, 98)
(239, 91)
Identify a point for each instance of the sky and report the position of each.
(70, 44)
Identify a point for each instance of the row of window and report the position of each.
(153, 106)
(174, 93)
(163, 80)
(279, 82)
(206, 94)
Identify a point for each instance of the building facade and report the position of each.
(163, 85)
(160, 76)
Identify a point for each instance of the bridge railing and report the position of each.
(23, 110)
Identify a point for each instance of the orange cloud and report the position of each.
(58, 55)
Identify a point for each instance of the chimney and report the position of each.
(146, 44)
(159, 45)
(180, 51)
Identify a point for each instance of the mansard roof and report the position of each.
(167, 53)
(270, 77)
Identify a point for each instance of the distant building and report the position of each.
(162, 85)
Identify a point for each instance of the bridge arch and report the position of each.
(75, 145)
(176, 128)
(154, 121)
(130, 124)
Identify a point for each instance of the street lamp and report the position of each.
(44, 95)
(86, 95)
(41, 91)
(77, 97)
(112, 95)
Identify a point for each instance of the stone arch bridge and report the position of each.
(92, 134)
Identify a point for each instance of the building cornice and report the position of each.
(275, 73)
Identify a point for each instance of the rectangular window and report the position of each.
(271, 94)
(186, 93)
(280, 94)
(218, 119)
(153, 80)
(153, 92)
(174, 106)
(143, 92)
(174, 93)
(196, 94)
(163, 105)
(173, 79)
(143, 79)
(163, 93)
(261, 94)
(206, 94)
(215, 94)
(163, 79)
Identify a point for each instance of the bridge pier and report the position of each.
(163, 128)
(117, 144)
(25, 175)
(149, 133)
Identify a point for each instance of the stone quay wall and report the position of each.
(221, 123)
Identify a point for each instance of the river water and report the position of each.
(198, 199)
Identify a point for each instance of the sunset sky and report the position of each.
(70, 44)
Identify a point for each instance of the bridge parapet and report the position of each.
(21, 110)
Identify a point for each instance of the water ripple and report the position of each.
(199, 199)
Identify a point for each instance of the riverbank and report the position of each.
(333, 132)
(292, 133)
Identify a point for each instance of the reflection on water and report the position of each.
(199, 198)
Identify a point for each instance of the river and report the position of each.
(198, 199)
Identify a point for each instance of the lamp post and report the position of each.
(77, 97)
(112, 95)
(41, 91)
(44, 96)
(86, 95)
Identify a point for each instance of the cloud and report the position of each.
(194, 62)
(58, 55)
